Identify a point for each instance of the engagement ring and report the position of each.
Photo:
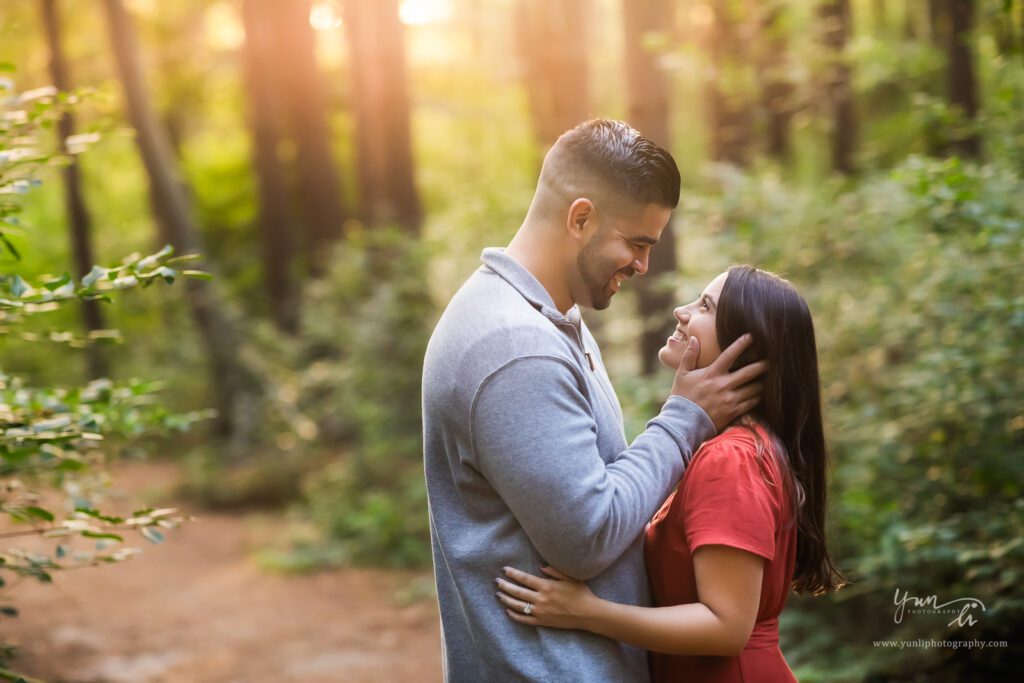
(528, 609)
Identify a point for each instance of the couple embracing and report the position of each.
(562, 552)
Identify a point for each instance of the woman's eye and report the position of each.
(704, 303)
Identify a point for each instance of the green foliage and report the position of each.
(366, 327)
(914, 278)
(50, 436)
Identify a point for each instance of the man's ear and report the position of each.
(580, 212)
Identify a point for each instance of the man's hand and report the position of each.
(723, 395)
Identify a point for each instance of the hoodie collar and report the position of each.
(527, 285)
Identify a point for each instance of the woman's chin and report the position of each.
(670, 358)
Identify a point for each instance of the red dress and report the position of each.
(726, 498)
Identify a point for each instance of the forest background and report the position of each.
(340, 164)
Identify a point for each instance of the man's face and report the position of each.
(619, 249)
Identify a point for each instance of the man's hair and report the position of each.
(617, 156)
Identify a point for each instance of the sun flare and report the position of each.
(325, 16)
(422, 12)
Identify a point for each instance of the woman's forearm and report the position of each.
(678, 630)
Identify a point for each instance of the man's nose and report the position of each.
(640, 264)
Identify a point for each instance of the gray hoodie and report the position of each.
(527, 463)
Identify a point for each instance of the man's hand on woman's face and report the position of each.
(723, 395)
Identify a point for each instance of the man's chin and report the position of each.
(599, 301)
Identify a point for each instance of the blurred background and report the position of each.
(339, 165)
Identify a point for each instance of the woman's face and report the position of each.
(696, 320)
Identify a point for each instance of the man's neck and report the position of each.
(531, 253)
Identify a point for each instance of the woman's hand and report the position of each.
(558, 602)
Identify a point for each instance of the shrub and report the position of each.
(367, 325)
(914, 279)
(50, 437)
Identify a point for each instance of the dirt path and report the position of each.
(199, 609)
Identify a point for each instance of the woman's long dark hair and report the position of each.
(771, 309)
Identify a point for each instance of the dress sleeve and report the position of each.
(730, 499)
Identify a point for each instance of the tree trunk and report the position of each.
(879, 17)
(178, 35)
(552, 41)
(648, 105)
(229, 379)
(776, 90)
(951, 23)
(387, 188)
(910, 19)
(318, 182)
(97, 363)
(961, 78)
(939, 22)
(264, 83)
(835, 27)
(729, 107)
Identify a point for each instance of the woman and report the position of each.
(747, 522)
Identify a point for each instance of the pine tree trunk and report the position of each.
(961, 79)
(318, 185)
(230, 381)
(264, 83)
(776, 90)
(647, 95)
(879, 17)
(552, 41)
(387, 188)
(729, 108)
(79, 220)
(835, 26)
(910, 19)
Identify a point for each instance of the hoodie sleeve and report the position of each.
(535, 440)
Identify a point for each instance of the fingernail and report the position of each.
(506, 569)
(497, 581)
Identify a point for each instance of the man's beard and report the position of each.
(595, 274)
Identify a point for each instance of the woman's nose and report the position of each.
(682, 315)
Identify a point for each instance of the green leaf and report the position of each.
(152, 535)
(186, 258)
(89, 512)
(10, 247)
(54, 285)
(93, 276)
(18, 286)
(40, 513)
(168, 274)
(197, 275)
(99, 534)
(153, 259)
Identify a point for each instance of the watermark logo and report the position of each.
(963, 608)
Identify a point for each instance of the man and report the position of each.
(525, 456)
